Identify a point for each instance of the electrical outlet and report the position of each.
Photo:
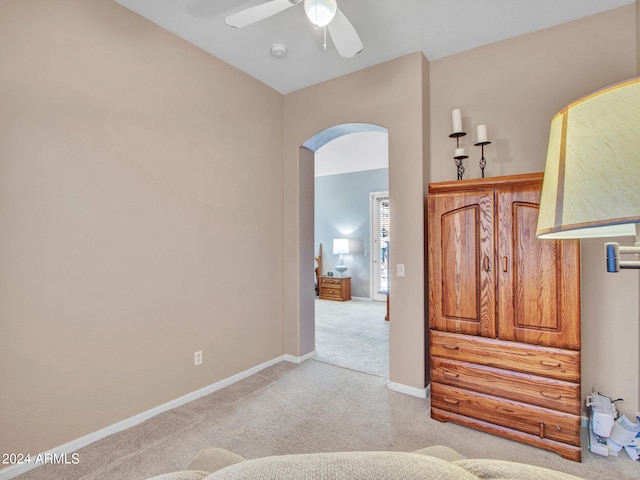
(197, 358)
(401, 269)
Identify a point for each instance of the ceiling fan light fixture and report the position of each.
(320, 12)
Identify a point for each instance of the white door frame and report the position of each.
(374, 247)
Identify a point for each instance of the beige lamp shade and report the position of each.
(591, 185)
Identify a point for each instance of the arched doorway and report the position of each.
(351, 161)
(394, 95)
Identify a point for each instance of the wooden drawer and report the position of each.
(536, 360)
(534, 390)
(570, 452)
(331, 292)
(532, 420)
(331, 282)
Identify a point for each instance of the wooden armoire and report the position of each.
(504, 314)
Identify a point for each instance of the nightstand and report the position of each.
(335, 288)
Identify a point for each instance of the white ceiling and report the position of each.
(387, 28)
(352, 153)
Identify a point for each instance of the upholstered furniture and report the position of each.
(431, 463)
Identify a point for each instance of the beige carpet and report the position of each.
(353, 335)
(313, 407)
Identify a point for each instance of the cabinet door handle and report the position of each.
(450, 346)
(505, 264)
(555, 396)
(449, 374)
(485, 263)
(549, 363)
(451, 401)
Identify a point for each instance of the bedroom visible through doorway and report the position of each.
(349, 169)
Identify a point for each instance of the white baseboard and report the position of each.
(406, 389)
(298, 360)
(74, 445)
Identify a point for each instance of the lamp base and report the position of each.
(341, 269)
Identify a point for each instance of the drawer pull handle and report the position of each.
(449, 374)
(555, 396)
(541, 429)
(451, 346)
(548, 363)
(451, 401)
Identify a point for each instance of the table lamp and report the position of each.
(341, 247)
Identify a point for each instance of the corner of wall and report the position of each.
(426, 174)
(638, 73)
(638, 37)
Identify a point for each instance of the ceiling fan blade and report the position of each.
(254, 14)
(344, 36)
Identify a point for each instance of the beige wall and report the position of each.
(610, 328)
(137, 217)
(390, 95)
(140, 191)
(515, 87)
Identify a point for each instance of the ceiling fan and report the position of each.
(321, 13)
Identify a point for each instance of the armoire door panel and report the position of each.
(462, 274)
(460, 261)
(530, 283)
(535, 276)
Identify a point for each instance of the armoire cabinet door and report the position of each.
(461, 274)
(538, 280)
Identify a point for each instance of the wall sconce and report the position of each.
(591, 184)
(341, 247)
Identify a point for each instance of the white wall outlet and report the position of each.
(197, 358)
(401, 269)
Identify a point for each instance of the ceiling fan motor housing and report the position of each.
(322, 14)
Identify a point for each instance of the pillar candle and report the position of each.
(459, 152)
(482, 133)
(457, 120)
